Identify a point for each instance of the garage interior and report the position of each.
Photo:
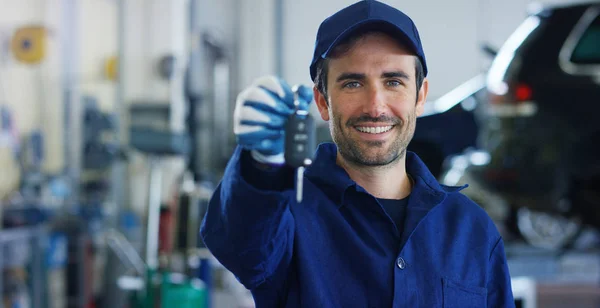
(116, 126)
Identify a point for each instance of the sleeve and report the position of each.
(499, 281)
(249, 227)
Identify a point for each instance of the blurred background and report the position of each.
(115, 128)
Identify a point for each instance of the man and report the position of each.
(375, 228)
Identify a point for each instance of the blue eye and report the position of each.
(394, 83)
(352, 84)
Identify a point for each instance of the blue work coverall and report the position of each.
(338, 248)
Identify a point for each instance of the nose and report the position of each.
(375, 103)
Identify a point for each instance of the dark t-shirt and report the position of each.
(396, 209)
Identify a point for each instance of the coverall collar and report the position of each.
(335, 181)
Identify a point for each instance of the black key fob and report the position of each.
(300, 139)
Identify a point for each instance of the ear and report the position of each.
(422, 97)
(321, 102)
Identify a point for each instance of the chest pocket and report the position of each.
(458, 296)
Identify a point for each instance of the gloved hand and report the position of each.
(260, 115)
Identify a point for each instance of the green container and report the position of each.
(174, 291)
(187, 294)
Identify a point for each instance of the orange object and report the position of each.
(165, 233)
(29, 44)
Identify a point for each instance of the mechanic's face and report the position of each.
(373, 103)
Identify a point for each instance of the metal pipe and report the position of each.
(193, 91)
(279, 11)
(118, 171)
(154, 200)
(72, 110)
(222, 117)
(125, 251)
(179, 49)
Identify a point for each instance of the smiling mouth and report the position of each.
(374, 129)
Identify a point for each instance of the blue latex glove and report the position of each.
(260, 115)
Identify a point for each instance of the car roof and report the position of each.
(573, 4)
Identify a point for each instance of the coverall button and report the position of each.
(401, 263)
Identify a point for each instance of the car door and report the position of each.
(580, 61)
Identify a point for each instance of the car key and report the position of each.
(299, 143)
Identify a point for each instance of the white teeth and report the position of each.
(374, 130)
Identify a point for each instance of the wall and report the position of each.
(35, 93)
(152, 29)
(97, 37)
(32, 92)
(155, 28)
(257, 40)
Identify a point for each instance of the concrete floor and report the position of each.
(570, 280)
(569, 296)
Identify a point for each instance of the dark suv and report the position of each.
(539, 125)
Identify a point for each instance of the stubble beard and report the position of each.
(361, 153)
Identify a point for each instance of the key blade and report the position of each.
(299, 183)
(296, 97)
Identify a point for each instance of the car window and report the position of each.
(587, 50)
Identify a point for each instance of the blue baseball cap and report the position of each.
(366, 15)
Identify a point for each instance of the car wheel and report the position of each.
(546, 230)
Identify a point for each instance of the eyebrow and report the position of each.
(360, 76)
(396, 74)
(347, 76)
